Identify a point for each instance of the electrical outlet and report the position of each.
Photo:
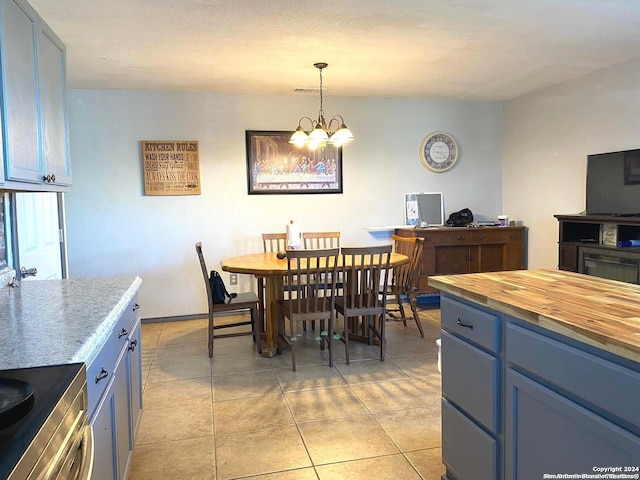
(233, 279)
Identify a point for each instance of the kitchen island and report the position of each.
(51, 322)
(540, 375)
(92, 321)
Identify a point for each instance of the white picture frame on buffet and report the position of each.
(424, 209)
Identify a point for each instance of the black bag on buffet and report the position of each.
(461, 218)
(218, 289)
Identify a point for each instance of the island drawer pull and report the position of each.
(123, 333)
(133, 345)
(466, 325)
(103, 374)
(136, 307)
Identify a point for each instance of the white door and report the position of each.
(38, 233)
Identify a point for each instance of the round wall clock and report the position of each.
(438, 152)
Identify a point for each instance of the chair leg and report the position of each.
(292, 342)
(330, 340)
(402, 314)
(211, 332)
(281, 334)
(322, 338)
(382, 337)
(414, 308)
(401, 308)
(378, 333)
(261, 307)
(255, 320)
(346, 338)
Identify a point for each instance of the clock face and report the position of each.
(438, 152)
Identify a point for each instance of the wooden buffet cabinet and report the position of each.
(453, 250)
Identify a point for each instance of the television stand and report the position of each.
(589, 244)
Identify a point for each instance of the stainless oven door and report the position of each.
(79, 463)
(69, 454)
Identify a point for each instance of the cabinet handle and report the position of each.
(135, 307)
(460, 237)
(103, 374)
(466, 325)
(482, 237)
(123, 333)
(49, 178)
(133, 345)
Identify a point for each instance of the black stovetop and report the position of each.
(49, 384)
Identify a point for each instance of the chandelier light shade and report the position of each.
(321, 132)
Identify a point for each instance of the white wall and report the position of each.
(547, 137)
(113, 229)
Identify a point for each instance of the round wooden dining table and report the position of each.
(273, 269)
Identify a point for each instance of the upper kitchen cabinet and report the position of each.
(34, 114)
(53, 106)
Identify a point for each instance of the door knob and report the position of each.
(28, 272)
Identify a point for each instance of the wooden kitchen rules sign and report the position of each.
(171, 167)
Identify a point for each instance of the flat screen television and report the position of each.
(613, 183)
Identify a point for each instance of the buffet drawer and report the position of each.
(478, 327)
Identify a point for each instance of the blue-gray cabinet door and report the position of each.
(468, 452)
(546, 433)
(20, 92)
(121, 418)
(53, 106)
(134, 374)
(104, 462)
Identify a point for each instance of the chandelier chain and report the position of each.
(321, 100)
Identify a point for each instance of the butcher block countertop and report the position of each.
(599, 312)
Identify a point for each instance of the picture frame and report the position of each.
(632, 167)
(275, 166)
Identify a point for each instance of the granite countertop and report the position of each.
(600, 312)
(50, 322)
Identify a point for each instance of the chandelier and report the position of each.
(320, 132)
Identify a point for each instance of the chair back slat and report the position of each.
(415, 266)
(366, 270)
(205, 273)
(315, 271)
(274, 242)
(405, 277)
(320, 240)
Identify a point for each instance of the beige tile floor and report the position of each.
(240, 415)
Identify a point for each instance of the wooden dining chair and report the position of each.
(317, 268)
(241, 302)
(404, 283)
(274, 242)
(316, 240)
(362, 305)
(271, 242)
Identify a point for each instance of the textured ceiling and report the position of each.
(468, 49)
